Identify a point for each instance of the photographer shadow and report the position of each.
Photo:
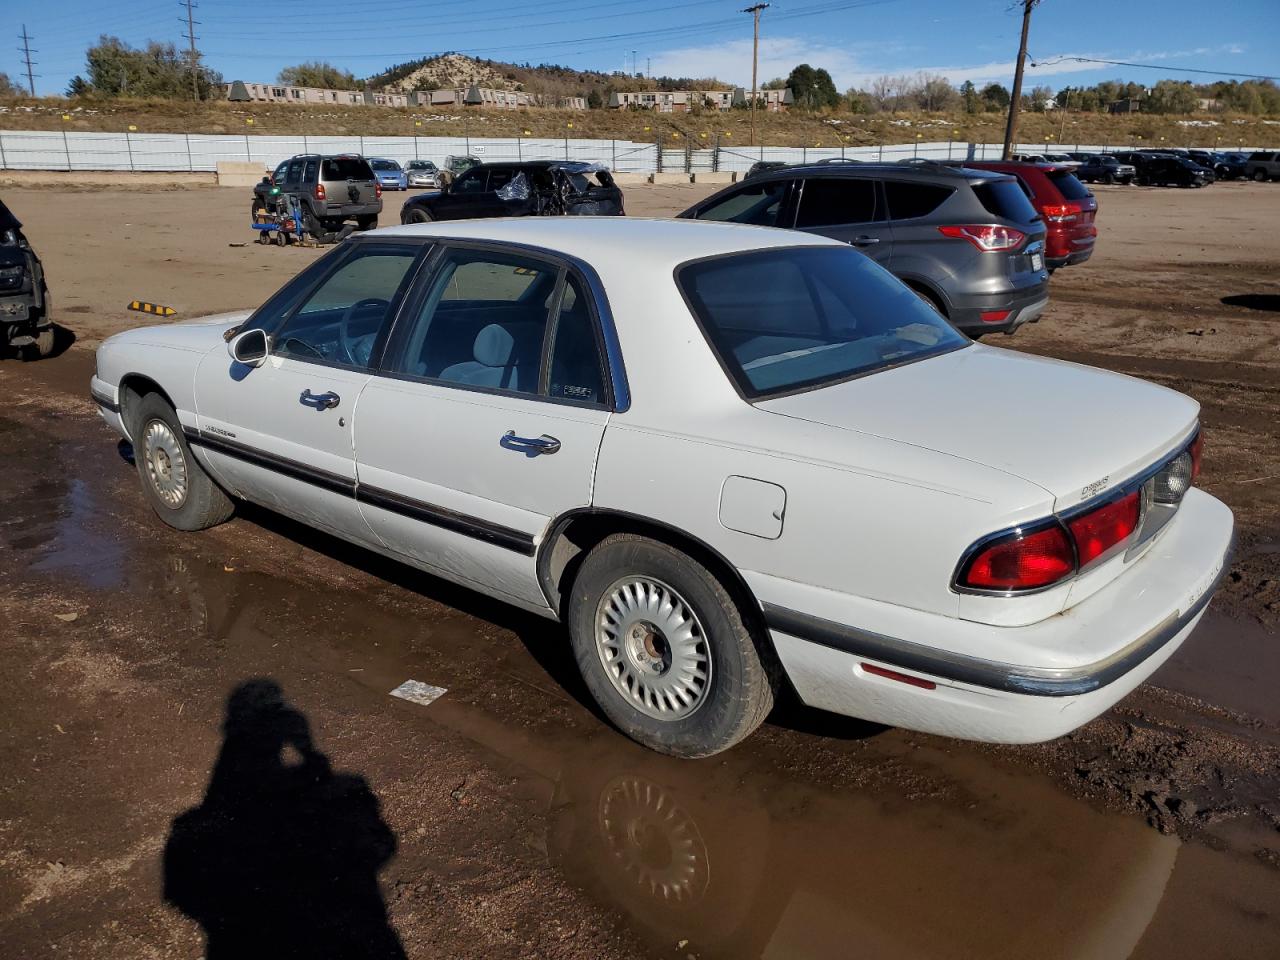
(281, 857)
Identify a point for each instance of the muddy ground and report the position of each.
(198, 752)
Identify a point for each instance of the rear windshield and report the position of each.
(384, 165)
(1067, 184)
(347, 168)
(800, 317)
(1005, 199)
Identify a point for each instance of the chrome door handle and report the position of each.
(864, 241)
(530, 446)
(319, 401)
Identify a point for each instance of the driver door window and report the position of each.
(760, 204)
(348, 314)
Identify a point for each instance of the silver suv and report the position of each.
(332, 190)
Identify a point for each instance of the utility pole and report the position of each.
(26, 55)
(195, 55)
(755, 60)
(1016, 98)
(648, 67)
(635, 67)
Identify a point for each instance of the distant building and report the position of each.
(473, 97)
(1208, 104)
(1130, 105)
(682, 101)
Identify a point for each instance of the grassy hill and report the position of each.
(731, 127)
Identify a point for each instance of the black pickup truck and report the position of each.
(24, 298)
(533, 188)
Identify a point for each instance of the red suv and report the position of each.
(1067, 206)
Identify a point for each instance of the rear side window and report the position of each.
(309, 172)
(759, 204)
(828, 201)
(347, 168)
(1068, 185)
(1005, 199)
(295, 170)
(797, 317)
(909, 200)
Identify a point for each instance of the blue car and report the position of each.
(389, 173)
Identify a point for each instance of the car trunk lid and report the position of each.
(1072, 430)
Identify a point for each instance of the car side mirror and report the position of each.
(249, 348)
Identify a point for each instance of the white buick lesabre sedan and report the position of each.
(721, 455)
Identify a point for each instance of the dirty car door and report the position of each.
(281, 433)
(486, 419)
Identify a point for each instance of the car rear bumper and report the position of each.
(1056, 675)
(1017, 306)
(1076, 256)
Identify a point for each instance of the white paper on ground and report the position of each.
(415, 691)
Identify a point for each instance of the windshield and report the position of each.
(421, 165)
(385, 165)
(798, 317)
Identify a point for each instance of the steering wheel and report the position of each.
(344, 332)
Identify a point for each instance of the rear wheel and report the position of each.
(41, 345)
(1260, 176)
(664, 649)
(417, 215)
(175, 485)
(929, 298)
(367, 223)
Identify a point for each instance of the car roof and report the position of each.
(929, 170)
(617, 243)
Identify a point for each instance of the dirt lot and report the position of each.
(199, 752)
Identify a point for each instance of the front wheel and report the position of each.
(175, 485)
(417, 215)
(664, 649)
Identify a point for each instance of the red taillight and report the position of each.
(1099, 530)
(377, 190)
(1197, 452)
(1021, 562)
(1061, 212)
(994, 316)
(319, 191)
(987, 237)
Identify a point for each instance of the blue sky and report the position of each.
(855, 40)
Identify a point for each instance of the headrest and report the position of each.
(494, 345)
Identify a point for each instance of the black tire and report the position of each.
(1109, 178)
(417, 215)
(739, 693)
(1260, 176)
(43, 347)
(367, 223)
(930, 299)
(203, 503)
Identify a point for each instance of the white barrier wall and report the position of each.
(170, 152)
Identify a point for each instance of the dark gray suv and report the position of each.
(331, 190)
(967, 241)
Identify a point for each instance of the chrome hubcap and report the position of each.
(653, 648)
(166, 465)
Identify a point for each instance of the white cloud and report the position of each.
(731, 62)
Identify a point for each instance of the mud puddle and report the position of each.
(817, 834)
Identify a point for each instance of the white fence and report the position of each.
(170, 152)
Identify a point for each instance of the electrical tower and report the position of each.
(195, 54)
(26, 55)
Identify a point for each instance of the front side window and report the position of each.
(831, 201)
(343, 318)
(759, 204)
(800, 317)
(473, 181)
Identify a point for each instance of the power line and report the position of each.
(195, 55)
(26, 55)
(1151, 66)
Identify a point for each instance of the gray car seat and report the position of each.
(505, 355)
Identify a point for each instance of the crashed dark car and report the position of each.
(24, 298)
(535, 188)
